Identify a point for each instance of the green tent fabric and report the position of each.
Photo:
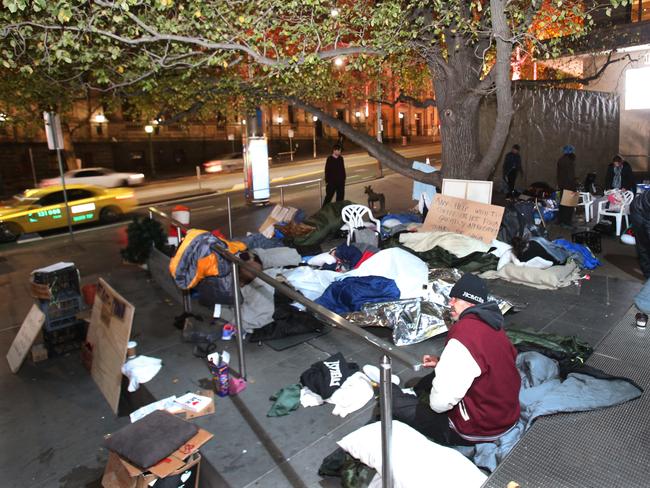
(565, 349)
(327, 221)
(438, 257)
(286, 401)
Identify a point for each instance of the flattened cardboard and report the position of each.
(278, 214)
(473, 219)
(167, 466)
(25, 337)
(108, 334)
(570, 198)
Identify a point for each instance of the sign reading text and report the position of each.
(478, 220)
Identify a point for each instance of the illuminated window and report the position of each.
(637, 95)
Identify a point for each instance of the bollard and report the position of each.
(386, 409)
(320, 191)
(282, 196)
(238, 321)
(198, 176)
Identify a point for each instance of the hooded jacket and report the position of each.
(627, 177)
(476, 379)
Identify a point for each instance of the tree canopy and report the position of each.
(192, 56)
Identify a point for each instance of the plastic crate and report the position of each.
(61, 281)
(65, 339)
(62, 307)
(60, 323)
(588, 238)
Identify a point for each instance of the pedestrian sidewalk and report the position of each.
(54, 417)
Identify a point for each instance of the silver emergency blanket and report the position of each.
(417, 319)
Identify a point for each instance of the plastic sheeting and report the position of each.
(417, 319)
(547, 119)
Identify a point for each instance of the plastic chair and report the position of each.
(352, 216)
(586, 200)
(624, 211)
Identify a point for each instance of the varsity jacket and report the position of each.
(476, 381)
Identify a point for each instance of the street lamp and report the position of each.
(338, 62)
(99, 120)
(314, 120)
(149, 130)
(280, 120)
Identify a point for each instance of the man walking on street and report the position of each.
(473, 394)
(334, 176)
(511, 168)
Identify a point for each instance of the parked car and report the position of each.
(97, 176)
(44, 208)
(229, 162)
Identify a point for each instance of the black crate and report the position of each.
(588, 238)
(64, 306)
(61, 281)
(64, 340)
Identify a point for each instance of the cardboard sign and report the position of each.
(278, 214)
(108, 335)
(471, 219)
(474, 190)
(569, 198)
(23, 341)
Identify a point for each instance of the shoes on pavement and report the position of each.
(227, 332)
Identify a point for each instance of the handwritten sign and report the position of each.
(108, 334)
(473, 219)
(25, 338)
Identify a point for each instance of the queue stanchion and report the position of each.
(238, 320)
(386, 410)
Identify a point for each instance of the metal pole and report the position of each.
(320, 190)
(198, 176)
(31, 160)
(238, 321)
(151, 161)
(314, 140)
(386, 409)
(56, 144)
(229, 218)
(187, 301)
(282, 196)
(291, 148)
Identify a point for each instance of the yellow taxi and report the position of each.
(44, 208)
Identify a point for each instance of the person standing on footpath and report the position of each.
(619, 175)
(566, 180)
(334, 176)
(511, 168)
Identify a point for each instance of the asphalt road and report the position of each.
(209, 202)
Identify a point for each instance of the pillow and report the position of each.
(417, 462)
(151, 439)
(278, 257)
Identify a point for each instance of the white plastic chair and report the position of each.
(624, 211)
(352, 216)
(586, 200)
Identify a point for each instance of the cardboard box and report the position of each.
(184, 463)
(570, 198)
(278, 214)
(39, 353)
(40, 290)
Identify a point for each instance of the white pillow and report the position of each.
(417, 462)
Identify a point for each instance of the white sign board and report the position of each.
(53, 130)
(474, 190)
(258, 156)
(290, 133)
(25, 338)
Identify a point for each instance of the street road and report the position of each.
(209, 203)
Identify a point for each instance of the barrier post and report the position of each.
(238, 321)
(386, 409)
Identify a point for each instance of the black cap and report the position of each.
(470, 288)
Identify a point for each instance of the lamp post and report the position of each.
(280, 120)
(314, 120)
(99, 120)
(149, 130)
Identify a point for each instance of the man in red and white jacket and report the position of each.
(475, 387)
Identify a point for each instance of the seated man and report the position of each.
(474, 390)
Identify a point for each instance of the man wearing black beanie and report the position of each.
(474, 391)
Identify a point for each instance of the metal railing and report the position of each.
(389, 350)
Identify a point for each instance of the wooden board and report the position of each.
(475, 190)
(23, 341)
(477, 220)
(108, 334)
